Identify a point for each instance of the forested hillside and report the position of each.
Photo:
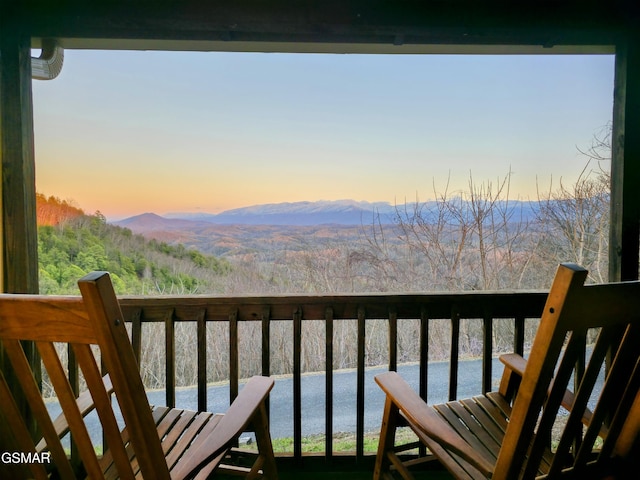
(72, 243)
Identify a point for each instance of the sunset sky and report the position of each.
(133, 132)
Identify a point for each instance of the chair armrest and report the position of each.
(516, 364)
(85, 405)
(237, 418)
(427, 420)
(512, 375)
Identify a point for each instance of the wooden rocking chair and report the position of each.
(507, 434)
(156, 443)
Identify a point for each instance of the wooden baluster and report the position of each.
(328, 316)
(455, 352)
(424, 363)
(170, 359)
(74, 381)
(136, 333)
(266, 348)
(360, 385)
(297, 385)
(234, 372)
(487, 352)
(393, 340)
(518, 335)
(424, 353)
(201, 333)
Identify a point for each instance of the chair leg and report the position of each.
(263, 440)
(387, 438)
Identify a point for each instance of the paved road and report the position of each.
(344, 396)
(313, 397)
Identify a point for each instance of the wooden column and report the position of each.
(624, 241)
(19, 230)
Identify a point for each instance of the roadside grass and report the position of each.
(342, 442)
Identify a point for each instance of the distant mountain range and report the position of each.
(264, 227)
(338, 212)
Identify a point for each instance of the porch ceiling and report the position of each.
(404, 26)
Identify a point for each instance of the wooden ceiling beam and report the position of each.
(388, 22)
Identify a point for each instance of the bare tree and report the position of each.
(575, 218)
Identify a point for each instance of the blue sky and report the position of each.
(131, 132)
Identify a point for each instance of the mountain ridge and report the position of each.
(304, 213)
(249, 229)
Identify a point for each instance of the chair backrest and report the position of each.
(560, 360)
(93, 320)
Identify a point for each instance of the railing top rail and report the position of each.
(477, 304)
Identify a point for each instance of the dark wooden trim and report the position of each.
(473, 304)
(465, 22)
(624, 242)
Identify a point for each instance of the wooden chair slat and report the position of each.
(102, 402)
(511, 429)
(177, 444)
(179, 440)
(229, 427)
(578, 404)
(491, 432)
(85, 405)
(107, 463)
(551, 406)
(68, 403)
(468, 427)
(496, 408)
(459, 467)
(117, 354)
(39, 410)
(171, 437)
(18, 427)
(168, 421)
(618, 397)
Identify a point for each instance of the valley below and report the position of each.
(241, 240)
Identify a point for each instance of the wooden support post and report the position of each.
(624, 241)
(18, 229)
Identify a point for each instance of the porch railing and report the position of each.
(424, 308)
